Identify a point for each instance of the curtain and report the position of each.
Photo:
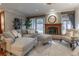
(72, 19)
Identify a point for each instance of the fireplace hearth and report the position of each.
(53, 29)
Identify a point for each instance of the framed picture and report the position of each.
(52, 19)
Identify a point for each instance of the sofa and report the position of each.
(18, 45)
(28, 32)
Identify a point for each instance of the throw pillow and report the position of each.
(19, 35)
(15, 33)
(31, 32)
(71, 34)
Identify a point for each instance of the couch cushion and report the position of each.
(30, 31)
(15, 33)
(76, 33)
(21, 43)
(19, 35)
(69, 33)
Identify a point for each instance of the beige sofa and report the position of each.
(18, 45)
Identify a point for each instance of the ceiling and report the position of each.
(34, 9)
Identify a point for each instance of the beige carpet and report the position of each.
(52, 49)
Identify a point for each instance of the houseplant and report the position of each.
(28, 23)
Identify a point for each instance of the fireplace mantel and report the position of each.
(57, 26)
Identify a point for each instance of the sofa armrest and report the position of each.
(8, 40)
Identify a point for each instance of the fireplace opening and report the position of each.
(52, 30)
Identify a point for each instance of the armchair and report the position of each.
(71, 36)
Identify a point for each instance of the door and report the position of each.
(40, 25)
(1, 22)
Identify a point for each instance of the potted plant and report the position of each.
(28, 23)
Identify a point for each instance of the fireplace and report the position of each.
(53, 29)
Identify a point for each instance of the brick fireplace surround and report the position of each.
(58, 28)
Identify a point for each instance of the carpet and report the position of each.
(52, 49)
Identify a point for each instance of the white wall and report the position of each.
(77, 17)
(9, 17)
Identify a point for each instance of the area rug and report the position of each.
(52, 49)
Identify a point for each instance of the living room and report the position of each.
(44, 26)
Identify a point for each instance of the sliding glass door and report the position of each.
(66, 23)
(33, 23)
(38, 24)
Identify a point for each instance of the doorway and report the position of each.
(1, 22)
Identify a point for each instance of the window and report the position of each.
(66, 24)
(33, 23)
(38, 24)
